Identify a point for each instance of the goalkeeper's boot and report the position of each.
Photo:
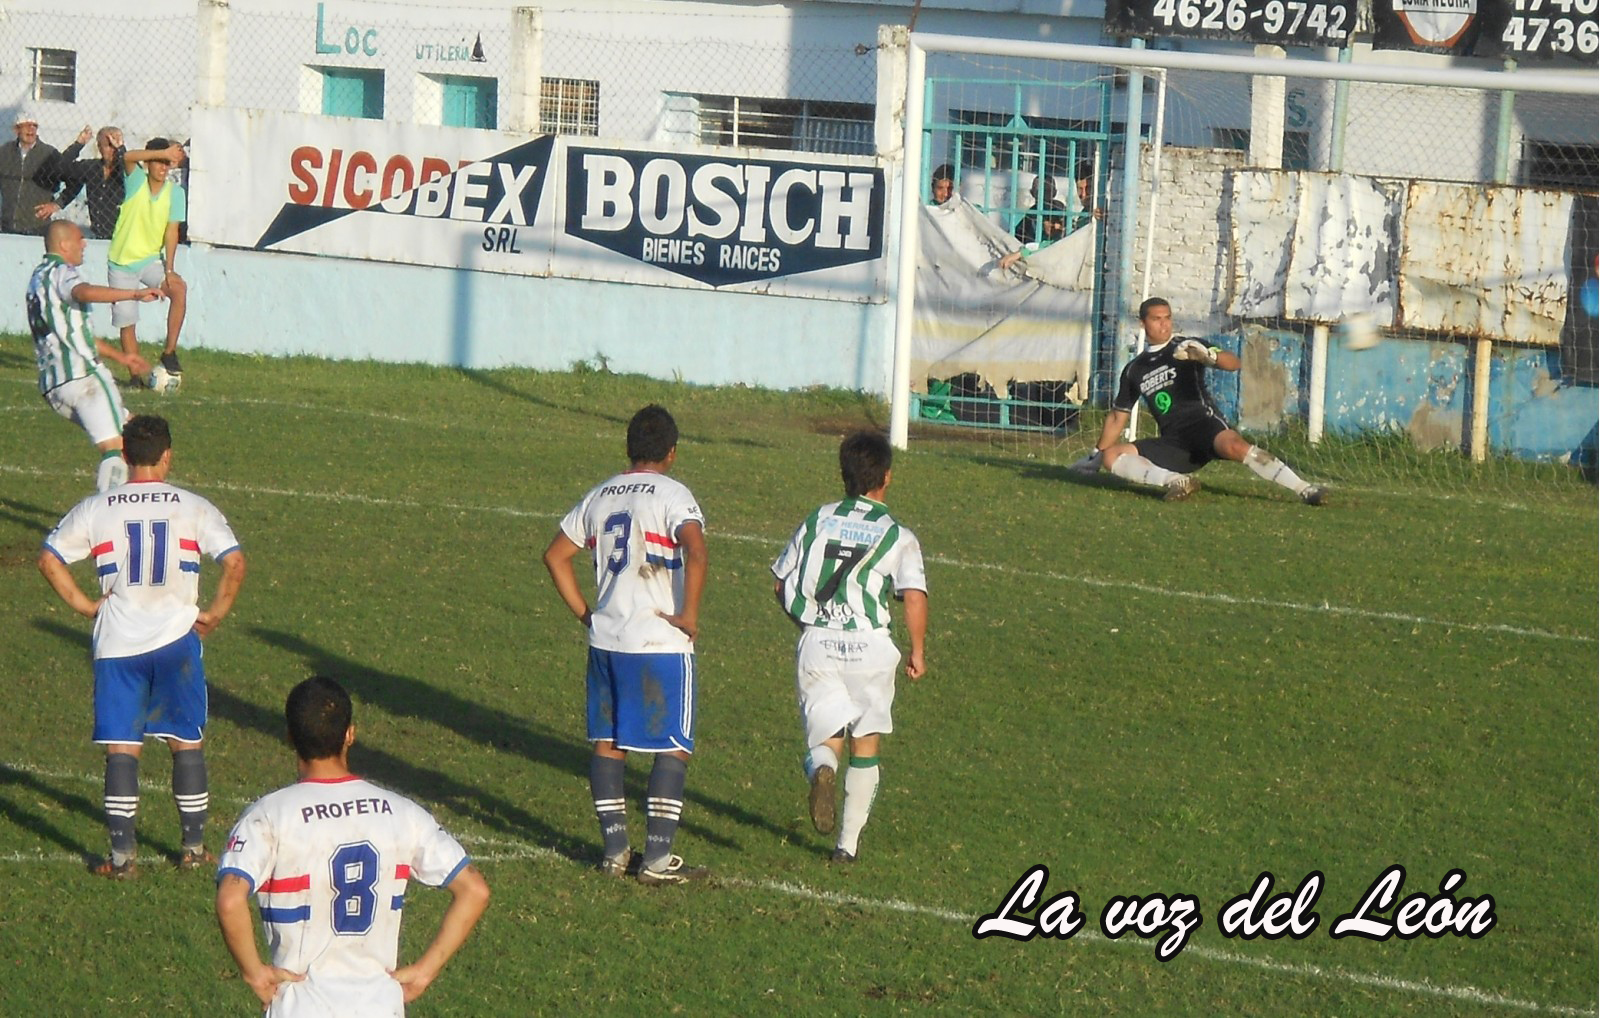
(822, 800)
(1314, 495)
(1180, 488)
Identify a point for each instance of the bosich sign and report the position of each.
(729, 222)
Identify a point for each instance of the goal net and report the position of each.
(1403, 260)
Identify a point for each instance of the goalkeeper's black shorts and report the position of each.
(1186, 447)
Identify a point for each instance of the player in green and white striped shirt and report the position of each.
(835, 580)
(71, 377)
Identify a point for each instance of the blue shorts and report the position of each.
(642, 702)
(158, 694)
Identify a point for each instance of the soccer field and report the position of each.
(1145, 698)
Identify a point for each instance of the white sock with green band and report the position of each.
(860, 788)
(113, 470)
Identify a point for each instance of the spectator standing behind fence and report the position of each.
(19, 195)
(101, 179)
(144, 244)
(943, 183)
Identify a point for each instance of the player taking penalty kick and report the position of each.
(835, 580)
(72, 378)
(329, 858)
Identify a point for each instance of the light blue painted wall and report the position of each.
(278, 304)
(1424, 388)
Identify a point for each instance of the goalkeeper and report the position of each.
(1170, 376)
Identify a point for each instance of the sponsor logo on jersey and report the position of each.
(347, 808)
(719, 220)
(1158, 379)
(142, 497)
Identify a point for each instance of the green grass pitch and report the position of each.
(1145, 698)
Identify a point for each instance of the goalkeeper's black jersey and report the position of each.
(1174, 391)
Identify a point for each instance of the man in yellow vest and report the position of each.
(144, 245)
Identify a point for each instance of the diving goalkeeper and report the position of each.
(1170, 376)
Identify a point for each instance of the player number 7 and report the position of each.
(847, 555)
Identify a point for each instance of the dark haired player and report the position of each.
(835, 580)
(328, 859)
(1171, 378)
(146, 538)
(647, 539)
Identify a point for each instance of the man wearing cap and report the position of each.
(19, 195)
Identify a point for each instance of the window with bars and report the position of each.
(801, 125)
(569, 106)
(1004, 141)
(1554, 165)
(55, 75)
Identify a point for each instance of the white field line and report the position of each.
(1468, 498)
(1325, 608)
(501, 850)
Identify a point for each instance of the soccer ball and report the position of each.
(1360, 331)
(164, 381)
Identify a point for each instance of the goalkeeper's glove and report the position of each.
(1089, 464)
(1194, 350)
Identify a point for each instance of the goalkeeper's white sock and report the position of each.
(860, 788)
(1130, 466)
(1270, 468)
(113, 470)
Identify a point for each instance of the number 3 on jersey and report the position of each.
(618, 527)
(354, 872)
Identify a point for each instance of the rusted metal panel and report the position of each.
(1486, 262)
(1341, 260)
(1262, 212)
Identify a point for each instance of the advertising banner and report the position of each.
(1275, 22)
(1523, 30)
(454, 197)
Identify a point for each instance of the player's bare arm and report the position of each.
(558, 561)
(132, 361)
(1116, 420)
(233, 916)
(469, 896)
(233, 569)
(916, 609)
(93, 293)
(60, 578)
(692, 539)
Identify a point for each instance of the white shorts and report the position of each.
(93, 402)
(152, 273)
(845, 680)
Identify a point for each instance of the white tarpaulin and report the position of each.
(1030, 322)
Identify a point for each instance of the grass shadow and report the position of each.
(495, 729)
(17, 811)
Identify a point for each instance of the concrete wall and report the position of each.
(278, 304)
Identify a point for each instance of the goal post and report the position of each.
(1357, 176)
